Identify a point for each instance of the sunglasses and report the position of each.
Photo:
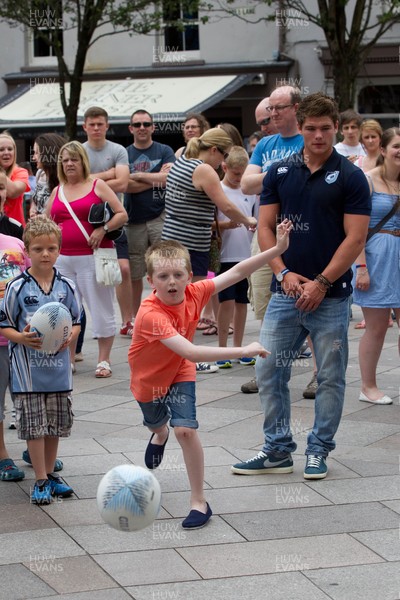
(265, 121)
(144, 124)
(224, 154)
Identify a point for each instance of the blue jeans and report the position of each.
(283, 331)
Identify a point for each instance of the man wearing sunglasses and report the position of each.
(149, 163)
(263, 118)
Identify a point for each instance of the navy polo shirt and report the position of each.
(316, 204)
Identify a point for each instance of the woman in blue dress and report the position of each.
(377, 287)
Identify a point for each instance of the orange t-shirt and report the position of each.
(14, 207)
(154, 367)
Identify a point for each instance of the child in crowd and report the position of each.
(13, 261)
(236, 246)
(349, 125)
(162, 356)
(41, 387)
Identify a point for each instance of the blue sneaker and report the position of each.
(315, 467)
(264, 463)
(58, 465)
(59, 487)
(224, 364)
(247, 360)
(41, 492)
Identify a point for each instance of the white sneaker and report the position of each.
(202, 367)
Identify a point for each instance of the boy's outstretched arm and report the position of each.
(183, 347)
(246, 267)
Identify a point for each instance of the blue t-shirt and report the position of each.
(272, 148)
(148, 205)
(33, 370)
(316, 204)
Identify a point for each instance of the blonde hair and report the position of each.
(166, 250)
(209, 139)
(371, 125)
(238, 158)
(40, 225)
(75, 149)
(6, 135)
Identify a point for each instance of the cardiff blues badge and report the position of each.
(331, 176)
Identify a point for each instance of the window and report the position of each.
(45, 21)
(181, 30)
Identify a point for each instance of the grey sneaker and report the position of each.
(311, 389)
(264, 463)
(250, 387)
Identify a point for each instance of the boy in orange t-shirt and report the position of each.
(162, 356)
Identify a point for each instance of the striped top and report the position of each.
(189, 213)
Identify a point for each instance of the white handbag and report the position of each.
(106, 263)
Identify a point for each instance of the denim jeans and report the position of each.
(283, 331)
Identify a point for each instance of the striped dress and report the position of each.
(189, 213)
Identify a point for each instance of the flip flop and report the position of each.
(230, 332)
(360, 325)
(103, 370)
(203, 324)
(211, 330)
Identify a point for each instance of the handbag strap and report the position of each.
(217, 227)
(385, 219)
(71, 212)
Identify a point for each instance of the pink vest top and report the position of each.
(73, 242)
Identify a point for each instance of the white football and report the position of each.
(129, 498)
(53, 323)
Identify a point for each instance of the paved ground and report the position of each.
(271, 537)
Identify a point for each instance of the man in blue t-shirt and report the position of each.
(327, 199)
(149, 163)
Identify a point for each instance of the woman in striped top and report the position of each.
(193, 191)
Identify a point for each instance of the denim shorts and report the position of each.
(178, 406)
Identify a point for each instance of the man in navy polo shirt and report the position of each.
(328, 200)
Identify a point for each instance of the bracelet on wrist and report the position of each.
(323, 290)
(323, 281)
(361, 266)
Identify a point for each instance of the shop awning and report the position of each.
(167, 99)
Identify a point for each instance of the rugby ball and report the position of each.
(53, 323)
(128, 498)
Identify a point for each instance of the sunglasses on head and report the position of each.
(144, 123)
(265, 121)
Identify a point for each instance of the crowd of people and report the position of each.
(327, 224)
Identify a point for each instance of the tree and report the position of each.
(351, 29)
(92, 20)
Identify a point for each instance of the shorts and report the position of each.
(178, 406)
(40, 415)
(237, 291)
(121, 246)
(140, 237)
(4, 378)
(259, 292)
(200, 262)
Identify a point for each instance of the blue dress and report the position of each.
(382, 253)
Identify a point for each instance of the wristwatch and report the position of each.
(106, 227)
(279, 276)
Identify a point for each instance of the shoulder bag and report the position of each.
(385, 219)
(106, 263)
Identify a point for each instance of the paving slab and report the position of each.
(28, 546)
(20, 583)
(162, 566)
(23, 516)
(300, 522)
(384, 542)
(362, 582)
(102, 539)
(282, 586)
(367, 489)
(298, 554)
(74, 574)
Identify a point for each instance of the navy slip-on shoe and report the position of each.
(197, 519)
(154, 453)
